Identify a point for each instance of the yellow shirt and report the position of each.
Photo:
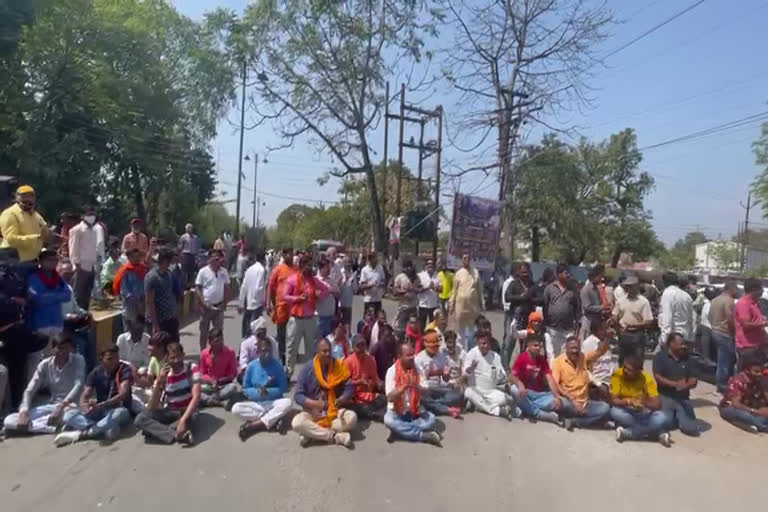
(22, 231)
(446, 280)
(573, 380)
(634, 390)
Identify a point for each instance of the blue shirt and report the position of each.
(308, 387)
(131, 287)
(257, 375)
(44, 308)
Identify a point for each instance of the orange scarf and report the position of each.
(139, 269)
(298, 308)
(338, 374)
(410, 378)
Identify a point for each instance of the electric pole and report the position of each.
(240, 160)
(745, 239)
(255, 188)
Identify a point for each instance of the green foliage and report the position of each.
(117, 103)
(585, 202)
(727, 255)
(682, 255)
(760, 185)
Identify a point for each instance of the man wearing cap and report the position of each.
(249, 348)
(22, 227)
(633, 314)
(83, 252)
(189, 243)
(136, 239)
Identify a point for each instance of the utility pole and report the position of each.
(745, 239)
(438, 170)
(240, 160)
(386, 156)
(398, 206)
(255, 189)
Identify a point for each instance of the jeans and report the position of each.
(534, 401)
(249, 315)
(282, 329)
(38, 419)
(642, 424)
(85, 345)
(489, 401)
(733, 415)
(467, 336)
(160, 424)
(726, 359)
(555, 342)
(210, 398)
(324, 326)
(373, 410)
(632, 342)
(681, 415)
(213, 316)
(188, 267)
(426, 315)
(440, 401)
(402, 317)
(82, 287)
(299, 329)
(268, 411)
(408, 427)
(594, 412)
(97, 424)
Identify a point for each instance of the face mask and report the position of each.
(89, 219)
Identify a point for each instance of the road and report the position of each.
(485, 463)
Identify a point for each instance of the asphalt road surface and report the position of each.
(486, 463)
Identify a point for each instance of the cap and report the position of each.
(257, 324)
(630, 280)
(25, 189)
(136, 220)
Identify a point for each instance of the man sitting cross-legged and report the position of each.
(218, 367)
(636, 406)
(367, 402)
(323, 389)
(404, 417)
(745, 403)
(62, 374)
(104, 414)
(438, 395)
(675, 374)
(570, 371)
(485, 373)
(264, 385)
(533, 386)
(172, 408)
(249, 348)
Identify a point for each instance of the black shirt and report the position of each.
(107, 386)
(672, 369)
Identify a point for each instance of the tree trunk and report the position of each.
(138, 195)
(535, 243)
(615, 257)
(379, 238)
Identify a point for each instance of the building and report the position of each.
(723, 257)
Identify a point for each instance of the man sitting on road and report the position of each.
(367, 402)
(218, 367)
(603, 367)
(533, 386)
(385, 352)
(675, 375)
(438, 395)
(485, 374)
(104, 414)
(323, 389)
(249, 348)
(264, 385)
(62, 374)
(745, 403)
(404, 417)
(172, 408)
(570, 371)
(636, 407)
(456, 356)
(133, 345)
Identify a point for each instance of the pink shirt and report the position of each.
(220, 369)
(748, 310)
(291, 294)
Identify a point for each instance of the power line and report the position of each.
(653, 29)
(710, 131)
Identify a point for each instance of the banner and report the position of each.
(475, 231)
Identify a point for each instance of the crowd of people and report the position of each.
(570, 355)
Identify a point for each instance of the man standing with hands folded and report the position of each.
(212, 292)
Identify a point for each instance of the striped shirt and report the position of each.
(178, 389)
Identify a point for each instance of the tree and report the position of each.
(682, 255)
(727, 255)
(760, 185)
(321, 69)
(514, 63)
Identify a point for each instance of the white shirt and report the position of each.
(504, 292)
(604, 366)
(336, 276)
(212, 284)
(83, 246)
(676, 313)
(135, 353)
(389, 386)
(242, 261)
(376, 277)
(489, 371)
(618, 293)
(423, 362)
(428, 297)
(253, 291)
(705, 314)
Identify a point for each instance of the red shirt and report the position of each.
(748, 310)
(532, 372)
(221, 368)
(362, 367)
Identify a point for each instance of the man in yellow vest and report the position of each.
(22, 227)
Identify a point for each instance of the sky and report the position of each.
(702, 70)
